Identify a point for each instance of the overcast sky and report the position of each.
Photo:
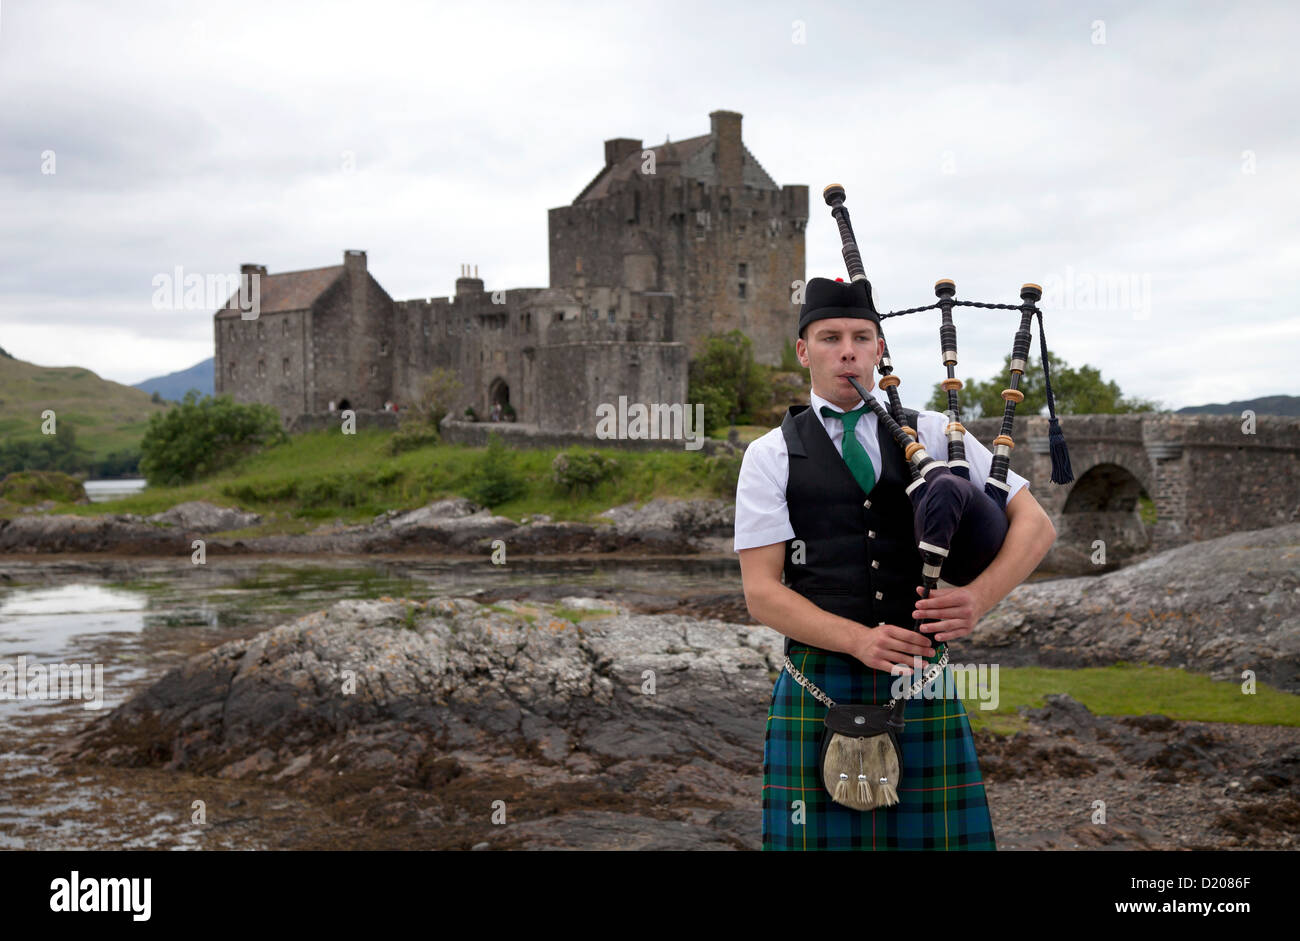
(1141, 158)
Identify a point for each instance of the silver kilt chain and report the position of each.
(822, 697)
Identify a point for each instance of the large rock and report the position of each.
(122, 532)
(626, 710)
(1220, 607)
(199, 516)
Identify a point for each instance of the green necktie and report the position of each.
(855, 455)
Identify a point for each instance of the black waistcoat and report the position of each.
(859, 557)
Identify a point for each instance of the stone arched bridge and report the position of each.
(1208, 475)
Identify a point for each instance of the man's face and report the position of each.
(839, 347)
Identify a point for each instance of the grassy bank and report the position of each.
(1133, 690)
(326, 475)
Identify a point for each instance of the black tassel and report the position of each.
(1062, 473)
(1061, 470)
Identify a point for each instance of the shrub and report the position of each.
(410, 437)
(497, 481)
(580, 470)
(722, 470)
(33, 486)
(197, 438)
(423, 416)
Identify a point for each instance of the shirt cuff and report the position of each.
(765, 537)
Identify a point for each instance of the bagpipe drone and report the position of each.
(959, 527)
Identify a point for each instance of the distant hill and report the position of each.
(174, 385)
(1286, 405)
(109, 418)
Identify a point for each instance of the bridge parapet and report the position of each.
(1208, 475)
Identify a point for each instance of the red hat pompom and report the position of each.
(839, 279)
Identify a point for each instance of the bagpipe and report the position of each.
(960, 528)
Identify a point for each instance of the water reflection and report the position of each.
(100, 491)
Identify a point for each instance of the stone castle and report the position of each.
(665, 246)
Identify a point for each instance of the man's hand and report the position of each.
(957, 611)
(889, 648)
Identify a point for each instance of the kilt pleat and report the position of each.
(942, 804)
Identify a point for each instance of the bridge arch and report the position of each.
(1104, 511)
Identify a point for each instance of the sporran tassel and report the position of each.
(842, 789)
(874, 758)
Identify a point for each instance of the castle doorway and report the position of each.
(499, 406)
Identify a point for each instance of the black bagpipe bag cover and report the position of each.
(953, 513)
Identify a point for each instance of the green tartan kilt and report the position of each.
(941, 798)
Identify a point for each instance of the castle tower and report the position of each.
(698, 219)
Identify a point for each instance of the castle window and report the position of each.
(374, 370)
(595, 314)
(426, 325)
(742, 269)
(231, 370)
(261, 365)
(383, 347)
(742, 289)
(261, 331)
(612, 311)
(559, 316)
(284, 326)
(285, 365)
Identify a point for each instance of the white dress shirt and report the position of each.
(761, 514)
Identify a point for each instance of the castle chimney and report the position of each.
(618, 148)
(728, 152)
(354, 261)
(469, 281)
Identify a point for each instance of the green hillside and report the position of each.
(108, 418)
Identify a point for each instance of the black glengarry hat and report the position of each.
(824, 298)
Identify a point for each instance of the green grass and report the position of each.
(1134, 690)
(326, 475)
(578, 615)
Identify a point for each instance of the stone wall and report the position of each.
(322, 421)
(262, 360)
(475, 434)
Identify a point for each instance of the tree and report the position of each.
(438, 390)
(496, 481)
(199, 437)
(725, 378)
(1079, 391)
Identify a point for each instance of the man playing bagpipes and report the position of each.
(868, 552)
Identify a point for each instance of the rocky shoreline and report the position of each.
(588, 725)
(454, 526)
